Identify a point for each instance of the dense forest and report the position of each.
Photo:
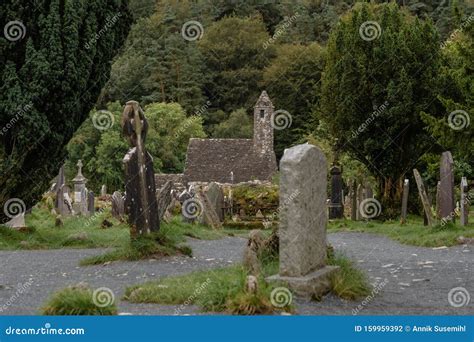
(197, 68)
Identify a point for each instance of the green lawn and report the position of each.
(412, 233)
(86, 232)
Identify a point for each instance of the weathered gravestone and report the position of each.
(303, 221)
(336, 209)
(80, 195)
(140, 192)
(163, 198)
(446, 194)
(406, 189)
(64, 201)
(368, 192)
(17, 221)
(464, 202)
(360, 199)
(208, 215)
(216, 198)
(424, 197)
(438, 200)
(90, 203)
(354, 200)
(118, 209)
(60, 181)
(103, 191)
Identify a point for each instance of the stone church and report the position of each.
(232, 160)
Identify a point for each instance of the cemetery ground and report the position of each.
(386, 268)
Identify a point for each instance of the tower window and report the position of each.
(262, 113)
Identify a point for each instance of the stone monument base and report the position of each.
(316, 283)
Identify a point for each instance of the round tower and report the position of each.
(262, 125)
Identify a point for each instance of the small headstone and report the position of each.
(336, 209)
(302, 230)
(446, 177)
(216, 197)
(353, 195)
(406, 189)
(103, 191)
(64, 201)
(464, 202)
(424, 197)
(90, 203)
(259, 214)
(117, 205)
(17, 222)
(163, 198)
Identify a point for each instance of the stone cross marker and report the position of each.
(140, 191)
(303, 221)
(424, 197)
(406, 189)
(335, 207)
(464, 202)
(446, 195)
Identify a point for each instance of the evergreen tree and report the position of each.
(375, 84)
(54, 59)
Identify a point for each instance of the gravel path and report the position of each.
(413, 280)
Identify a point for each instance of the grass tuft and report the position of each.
(349, 282)
(76, 300)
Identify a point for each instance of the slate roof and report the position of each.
(210, 160)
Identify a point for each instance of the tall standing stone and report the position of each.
(216, 197)
(360, 198)
(303, 221)
(140, 191)
(79, 190)
(90, 203)
(406, 189)
(60, 181)
(354, 200)
(446, 174)
(438, 200)
(464, 202)
(335, 207)
(424, 197)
